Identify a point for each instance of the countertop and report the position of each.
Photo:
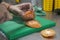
(37, 36)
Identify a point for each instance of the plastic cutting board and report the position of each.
(16, 28)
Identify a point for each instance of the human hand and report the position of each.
(25, 10)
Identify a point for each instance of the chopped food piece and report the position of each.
(48, 33)
(33, 24)
(28, 15)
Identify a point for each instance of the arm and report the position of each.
(4, 14)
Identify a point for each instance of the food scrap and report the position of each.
(33, 24)
(48, 33)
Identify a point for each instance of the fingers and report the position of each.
(31, 6)
(22, 4)
(20, 8)
(15, 9)
(25, 6)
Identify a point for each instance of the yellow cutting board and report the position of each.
(57, 4)
(47, 5)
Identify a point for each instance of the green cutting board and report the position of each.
(16, 28)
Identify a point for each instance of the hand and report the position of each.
(25, 6)
(25, 10)
(21, 10)
(19, 7)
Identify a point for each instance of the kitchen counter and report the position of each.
(37, 36)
